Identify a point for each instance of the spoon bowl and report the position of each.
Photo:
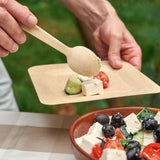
(80, 59)
(84, 61)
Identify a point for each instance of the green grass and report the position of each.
(142, 19)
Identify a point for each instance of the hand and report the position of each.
(11, 13)
(114, 42)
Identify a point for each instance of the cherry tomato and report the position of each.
(103, 77)
(151, 151)
(96, 151)
(114, 144)
(119, 135)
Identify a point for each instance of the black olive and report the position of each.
(141, 158)
(133, 153)
(156, 134)
(117, 120)
(132, 144)
(102, 119)
(149, 124)
(108, 131)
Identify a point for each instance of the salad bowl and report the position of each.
(81, 126)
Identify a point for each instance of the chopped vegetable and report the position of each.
(119, 135)
(114, 144)
(124, 141)
(144, 114)
(73, 86)
(139, 137)
(151, 151)
(125, 133)
(130, 137)
(97, 151)
(103, 77)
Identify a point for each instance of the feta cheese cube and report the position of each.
(88, 143)
(96, 130)
(79, 140)
(148, 138)
(92, 87)
(132, 123)
(84, 78)
(157, 117)
(113, 154)
(89, 139)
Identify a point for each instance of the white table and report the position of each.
(34, 136)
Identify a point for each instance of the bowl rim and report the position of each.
(97, 111)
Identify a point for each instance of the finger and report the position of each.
(132, 54)
(101, 48)
(20, 12)
(136, 62)
(114, 55)
(9, 24)
(3, 52)
(7, 43)
(131, 51)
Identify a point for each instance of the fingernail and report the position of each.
(32, 20)
(4, 54)
(118, 63)
(22, 39)
(14, 47)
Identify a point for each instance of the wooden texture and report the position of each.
(47, 38)
(80, 59)
(49, 82)
(82, 124)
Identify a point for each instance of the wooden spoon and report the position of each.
(80, 59)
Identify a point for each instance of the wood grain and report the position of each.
(49, 82)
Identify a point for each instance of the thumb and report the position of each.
(114, 55)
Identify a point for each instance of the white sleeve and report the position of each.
(7, 100)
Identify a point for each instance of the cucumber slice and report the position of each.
(145, 113)
(139, 136)
(73, 86)
(124, 131)
(124, 141)
(129, 137)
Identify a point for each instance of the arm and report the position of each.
(91, 12)
(112, 40)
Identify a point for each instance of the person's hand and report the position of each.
(11, 14)
(114, 42)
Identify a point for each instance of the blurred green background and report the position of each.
(142, 18)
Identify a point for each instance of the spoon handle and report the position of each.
(47, 38)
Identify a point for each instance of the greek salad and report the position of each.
(135, 137)
(87, 85)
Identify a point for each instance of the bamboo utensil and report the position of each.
(80, 59)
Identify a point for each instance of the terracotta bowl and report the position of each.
(82, 124)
